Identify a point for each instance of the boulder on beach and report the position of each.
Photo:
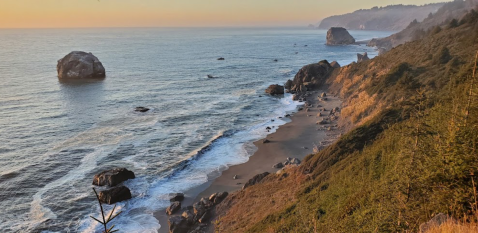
(78, 64)
(310, 76)
(362, 57)
(275, 89)
(113, 177)
(339, 36)
(178, 224)
(114, 195)
(256, 179)
(175, 206)
(173, 197)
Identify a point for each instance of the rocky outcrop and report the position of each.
(275, 90)
(362, 57)
(339, 36)
(113, 177)
(288, 84)
(256, 179)
(335, 64)
(175, 206)
(78, 65)
(114, 195)
(310, 76)
(176, 197)
(178, 224)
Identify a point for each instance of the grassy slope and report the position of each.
(411, 156)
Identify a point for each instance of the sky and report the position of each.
(177, 13)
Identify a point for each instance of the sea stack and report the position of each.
(339, 36)
(78, 65)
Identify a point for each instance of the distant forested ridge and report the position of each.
(389, 18)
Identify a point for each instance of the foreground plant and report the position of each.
(108, 219)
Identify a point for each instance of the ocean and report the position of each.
(54, 136)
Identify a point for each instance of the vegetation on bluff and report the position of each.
(411, 156)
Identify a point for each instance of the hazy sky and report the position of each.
(174, 13)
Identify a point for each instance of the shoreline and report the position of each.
(295, 139)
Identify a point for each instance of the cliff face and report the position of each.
(390, 18)
(415, 30)
(408, 156)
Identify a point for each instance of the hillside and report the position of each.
(415, 30)
(389, 18)
(410, 153)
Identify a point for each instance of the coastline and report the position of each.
(295, 139)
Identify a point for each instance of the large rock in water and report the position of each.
(113, 177)
(313, 75)
(79, 64)
(275, 90)
(339, 36)
(114, 195)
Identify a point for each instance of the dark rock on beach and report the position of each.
(175, 206)
(113, 177)
(178, 224)
(114, 195)
(311, 76)
(339, 36)
(78, 64)
(275, 90)
(173, 197)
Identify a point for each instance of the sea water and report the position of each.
(54, 135)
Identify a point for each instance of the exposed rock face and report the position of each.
(256, 179)
(288, 84)
(362, 57)
(114, 195)
(335, 64)
(310, 76)
(178, 224)
(175, 206)
(339, 36)
(112, 177)
(79, 64)
(275, 90)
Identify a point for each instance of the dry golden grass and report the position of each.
(357, 106)
(245, 208)
(453, 227)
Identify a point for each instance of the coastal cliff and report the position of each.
(408, 153)
(389, 18)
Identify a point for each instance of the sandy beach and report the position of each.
(295, 139)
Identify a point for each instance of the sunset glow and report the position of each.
(178, 13)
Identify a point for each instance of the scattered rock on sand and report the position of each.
(78, 64)
(175, 206)
(323, 95)
(256, 179)
(112, 177)
(189, 216)
(114, 195)
(235, 177)
(265, 141)
(173, 197)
